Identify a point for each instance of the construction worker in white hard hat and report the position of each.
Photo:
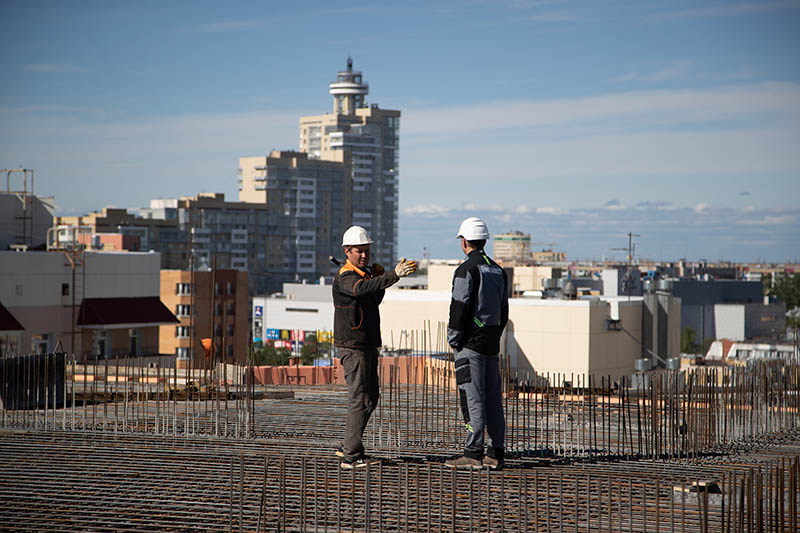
(478, 315)
(357, 291)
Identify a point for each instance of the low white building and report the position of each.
(742, 352)
(598, 336)
(93, 304)
(300, 307)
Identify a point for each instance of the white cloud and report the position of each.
(634, 108)
(726, 9)
(682, 231)
(549, 211)
(768, 221)
(702, 207)
(53, 68)
(426, 209)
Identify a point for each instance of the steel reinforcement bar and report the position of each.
(55, 481)
(666, 414)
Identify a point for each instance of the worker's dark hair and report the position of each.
(478, 245)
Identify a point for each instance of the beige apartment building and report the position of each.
(306, 215)
(548, 256)
(365, 140)
(531, 278)
(117, 229)
(193, 297)
(513, 248)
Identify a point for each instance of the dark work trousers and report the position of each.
(361, 373)
(478, 378)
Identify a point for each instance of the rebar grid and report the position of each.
(133, 482)
(147, 454)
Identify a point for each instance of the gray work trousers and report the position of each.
(478, 378)
(361, 374)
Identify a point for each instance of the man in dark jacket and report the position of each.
(478, 315)
(357, 292)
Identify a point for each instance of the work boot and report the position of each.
(339, 451)
(464, 462)
(494, 458)
(361, 462)
(493, 463)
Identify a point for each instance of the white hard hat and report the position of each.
(355, 235)
(473, 229)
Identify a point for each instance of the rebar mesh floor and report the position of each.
(287, 479)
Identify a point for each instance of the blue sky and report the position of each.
(575, 121)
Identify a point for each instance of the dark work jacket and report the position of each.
(356, 296)
(479, 305)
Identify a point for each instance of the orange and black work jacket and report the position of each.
(356, 295)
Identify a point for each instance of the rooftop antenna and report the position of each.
(631, 247)
(27, 198)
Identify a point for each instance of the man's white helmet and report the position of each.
(355, 235)
(473, 229)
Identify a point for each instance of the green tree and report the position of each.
(267, 354)
(766, 283)
(313, 349)
(787, 289)
(688, 343)
(705, 345)
(310, 350)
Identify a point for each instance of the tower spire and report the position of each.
(349, 91)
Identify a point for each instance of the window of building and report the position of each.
(101, 343)
(182, 353)
(134, 342)
(229, 330)
(182, 332)
(183, 288)
(183, 310)
(218, 330)
(231, 288)
(229, 350)
(218, 309)
(230, 309)
(39, 343)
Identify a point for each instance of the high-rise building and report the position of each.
(305, 212)
(512, 247)
(195, 297)
(365, 139)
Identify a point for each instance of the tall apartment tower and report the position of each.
(365, 139)
(304, 215)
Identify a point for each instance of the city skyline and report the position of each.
(569, 122)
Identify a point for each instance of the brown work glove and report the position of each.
(404, 268)
(377, 270)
